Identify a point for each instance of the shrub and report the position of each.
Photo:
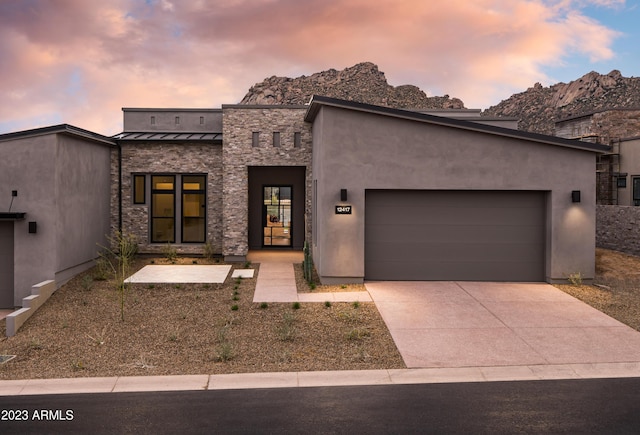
(296, 305)
(170, 252)
(575, 279)
(327, 304)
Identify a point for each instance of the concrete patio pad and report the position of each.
(180, 274)
(480, 324)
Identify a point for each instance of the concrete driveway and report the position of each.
(476, 324)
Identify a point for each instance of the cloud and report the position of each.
(80, 61)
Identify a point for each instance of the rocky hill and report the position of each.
(362, 82)
(539, 107)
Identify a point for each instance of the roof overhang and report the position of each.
(172, 136)
(12, 216)
(65, 129)
(317, 102)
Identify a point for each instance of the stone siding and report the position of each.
(167, 158)
(239, 124)
(618, 228)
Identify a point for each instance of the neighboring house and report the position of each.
(54, 199)
(619, 128)
(627, 178)
(378, 193)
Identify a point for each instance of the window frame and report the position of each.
(152, 216)
(202, 192)
(135, 192)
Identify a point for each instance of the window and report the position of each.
(255, 139)
(177, 120)
(163, 207)
(193, 208)
(153, 120)
(297, 139)
(277, 203)
(202, 120)
(139, 189)
(276, 139)
(636, 191)
(621, 181)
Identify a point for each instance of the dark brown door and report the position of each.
(6, 265)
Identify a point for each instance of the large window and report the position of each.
(193, 208)
(163, 208)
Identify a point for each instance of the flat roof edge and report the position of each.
(465, 124)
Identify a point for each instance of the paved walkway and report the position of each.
(277, 282)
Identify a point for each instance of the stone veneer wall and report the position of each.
(167, 158)
(239, 122)
(618, 228)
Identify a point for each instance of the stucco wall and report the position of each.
(239, 123)
(29, 166)
(63, 186)
(618, 228)
(82, 203)
(360, 151)
(167, 158)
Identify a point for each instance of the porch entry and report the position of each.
(276, 214)
(276, 207)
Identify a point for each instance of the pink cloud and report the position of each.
(82, 61)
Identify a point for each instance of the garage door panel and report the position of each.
(449, 233)
(455, 235)
(450, 271)
(429, 215)
(459, 252)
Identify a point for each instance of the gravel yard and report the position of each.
(191, 329)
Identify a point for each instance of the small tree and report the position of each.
(119, 256)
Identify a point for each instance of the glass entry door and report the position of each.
(276, 216)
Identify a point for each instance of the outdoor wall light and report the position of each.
(343, 194)
(575, 196)
(33, 227)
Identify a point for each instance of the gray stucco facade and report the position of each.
(359, 147)
(61, 175)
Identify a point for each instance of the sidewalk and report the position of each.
(316, 379)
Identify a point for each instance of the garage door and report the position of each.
(454, 235)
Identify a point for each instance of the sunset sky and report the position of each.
(80, 61)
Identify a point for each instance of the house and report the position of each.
(619, 128)
(378, 193)
(55, 199)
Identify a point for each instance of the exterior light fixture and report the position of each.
(343, 194)
(575, 196)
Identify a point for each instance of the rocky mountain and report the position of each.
(538, 108)
(362, 82)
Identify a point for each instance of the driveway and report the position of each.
(475, 324)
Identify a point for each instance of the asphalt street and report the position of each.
(566, 406)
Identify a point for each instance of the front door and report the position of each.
(6, 265)
(276, 216)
